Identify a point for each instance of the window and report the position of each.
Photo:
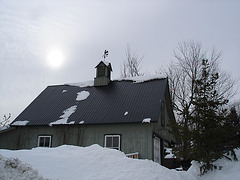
(44, 141)
(112, 141)
(101, 71)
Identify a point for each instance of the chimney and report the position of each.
(103, 74)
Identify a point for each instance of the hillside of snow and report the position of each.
(95, 162)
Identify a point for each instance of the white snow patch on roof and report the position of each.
(126, 113)
(82, 84)
(4, 127)
(82, 95)
(146, 120)
(63, 91)
(66, 114)
(140, 79)
(81, 122)
(20, 123)
(136, 79)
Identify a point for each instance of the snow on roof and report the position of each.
(82, 84)
(82, 95)
(20, 123)
(81, 122)
(141, 79)
(146, 120)
(66, 114)
(136, 79)
(106, 63)
(4, 127)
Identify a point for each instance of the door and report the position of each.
(157, 150)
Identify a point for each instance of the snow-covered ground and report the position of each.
(95, 162)
(13, 168)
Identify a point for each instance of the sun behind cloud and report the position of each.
(55, 58)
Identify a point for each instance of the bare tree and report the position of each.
(182, 77)
(5, 121)
(132, 64)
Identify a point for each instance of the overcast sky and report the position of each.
(78, 31)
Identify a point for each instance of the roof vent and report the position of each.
(103, 74)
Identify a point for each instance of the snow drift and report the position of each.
(95, 162)
(13, 168)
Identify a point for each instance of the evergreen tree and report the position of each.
(210, 135)
(233, 126)
(233, 118)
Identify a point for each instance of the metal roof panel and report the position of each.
(105, 104)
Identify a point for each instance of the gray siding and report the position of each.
(134, 137)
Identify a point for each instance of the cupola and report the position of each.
(103, 74)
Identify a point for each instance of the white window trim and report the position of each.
(45, 137)
(113, 135)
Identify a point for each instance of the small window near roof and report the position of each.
(101, 71)
(112, 141)
(44, 141)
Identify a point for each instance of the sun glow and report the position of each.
(55, 58)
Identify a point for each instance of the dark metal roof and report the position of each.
(118, 102)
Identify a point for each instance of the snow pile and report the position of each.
(13, 168)
(93, 162)
(230, 169)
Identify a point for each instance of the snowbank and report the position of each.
(230, 169)
(95, 162)
(13, 168)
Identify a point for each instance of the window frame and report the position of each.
(101, 71)
(45, 136)
(112, 136)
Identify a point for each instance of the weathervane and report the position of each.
(105, 54)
